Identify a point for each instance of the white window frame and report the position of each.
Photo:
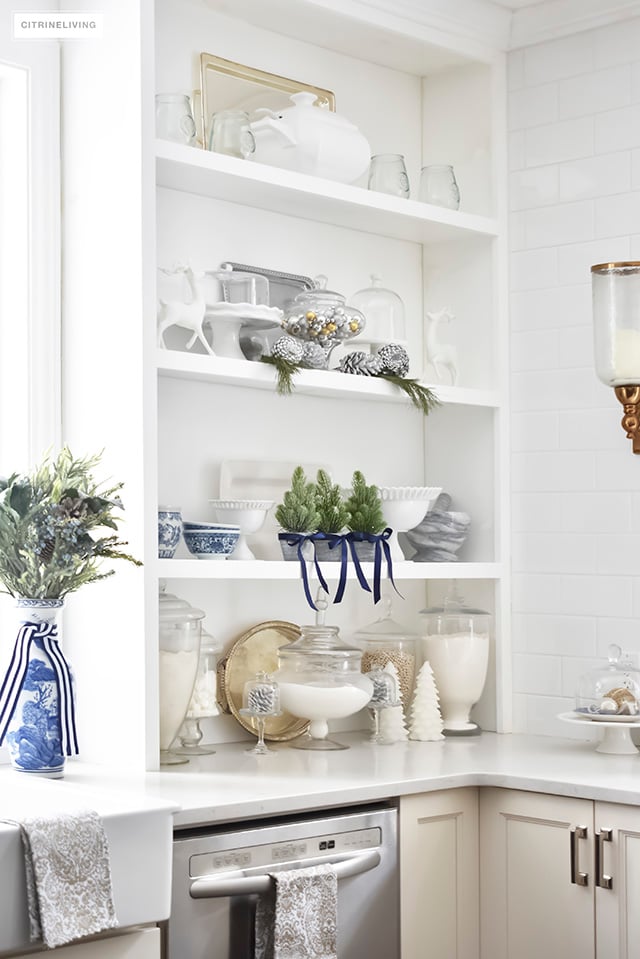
(37, 407)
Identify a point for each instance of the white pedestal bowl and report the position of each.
(248, 514)
(404, 507)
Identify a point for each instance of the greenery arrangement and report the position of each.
(365, 507)
(53, 528)
(298, 512)
(333, 514)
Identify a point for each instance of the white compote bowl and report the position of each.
(404, 507)
(248, 514)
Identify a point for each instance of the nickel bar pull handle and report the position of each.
(602, 880)
(577, 878)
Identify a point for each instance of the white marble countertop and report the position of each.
(231, 785)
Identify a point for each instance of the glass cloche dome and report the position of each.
(610, 690)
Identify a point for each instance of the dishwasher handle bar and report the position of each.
(248, 885)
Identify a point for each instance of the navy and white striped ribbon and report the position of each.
(16, 674)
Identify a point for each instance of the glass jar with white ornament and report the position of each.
(180, 627)
(204, 699)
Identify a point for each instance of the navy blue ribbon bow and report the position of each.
(381, 548)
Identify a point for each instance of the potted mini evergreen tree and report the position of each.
(297, 515)
(366, 519)
(333, 518)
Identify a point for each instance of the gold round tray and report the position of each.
(257, 651)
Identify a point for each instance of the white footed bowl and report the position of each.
(248, 514)
(404, 507)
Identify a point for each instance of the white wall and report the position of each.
(574, 120)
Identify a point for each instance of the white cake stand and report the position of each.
(617, 732)
(227, 319)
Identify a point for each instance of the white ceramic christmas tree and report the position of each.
(393, 728)
(425, 723)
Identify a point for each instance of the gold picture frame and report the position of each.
(226, 85)
(257, 651)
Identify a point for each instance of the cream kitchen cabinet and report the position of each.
(143, 943)
(559, 877)
(439, 901)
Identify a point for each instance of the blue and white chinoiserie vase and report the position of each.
(37, 709)
(169, 530)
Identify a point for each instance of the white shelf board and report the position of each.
(177, 364)
(193, 170)
(279, 569)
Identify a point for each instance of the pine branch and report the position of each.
(421, 396)
(285, 371)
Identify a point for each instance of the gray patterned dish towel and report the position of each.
(68, 876)
(298, 918)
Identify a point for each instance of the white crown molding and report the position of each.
(558, 18)
(478, 20)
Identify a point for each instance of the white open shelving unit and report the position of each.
(169, 418)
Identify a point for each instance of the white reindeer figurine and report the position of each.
(441, 356)
(190, 316)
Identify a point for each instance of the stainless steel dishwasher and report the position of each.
(219, 873)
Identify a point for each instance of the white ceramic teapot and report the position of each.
(311, 140)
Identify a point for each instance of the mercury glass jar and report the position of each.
(320, 678)
(180, 628)
(456, 644)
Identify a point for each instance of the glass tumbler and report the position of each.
(174, 119)
(230, 133)
(438, 186)
(388, 174)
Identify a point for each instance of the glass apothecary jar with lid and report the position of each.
(456, 644)
(610, 691)
(180, 628)
(204, 699)
(387, 641)
(383, 311)
(320, 678)
(322, 319)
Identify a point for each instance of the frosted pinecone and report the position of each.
(288, 348)
(393, 359)
(314, 356)
(360, 363)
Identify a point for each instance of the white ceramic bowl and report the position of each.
(248, 514)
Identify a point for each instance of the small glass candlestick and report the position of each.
(385, 694)
(260, 699)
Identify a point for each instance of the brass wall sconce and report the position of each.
(616, 326)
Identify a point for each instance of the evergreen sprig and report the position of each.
(285, 372)
(298, 512)
(365, 507)
(52, 528)
(333, 514)
(421, 396)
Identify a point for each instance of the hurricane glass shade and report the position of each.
(616, 322)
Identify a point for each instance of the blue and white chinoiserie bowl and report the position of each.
(211, 542)
(169, 530)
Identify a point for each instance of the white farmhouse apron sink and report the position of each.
(139, 833)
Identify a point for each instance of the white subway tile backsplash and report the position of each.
(536, 512)
(617, 129)
(573, 669)
(535, 187)
(575, 344)
(595, 512)
(617, 43)
(534, 431)
(580, 430)
(575, 261)
(634, 512)
(541, 675)
(594, 92)
(621, 632)
(517, 236)
(554, 390)
(515, 150)
(519, 713)
(560, 470)
(515, 70)
(595, 176)
(555, 142)
(561, 224)
(617, 470)
(542, 719)
(552, 553)
(617, 214)
(635, 170)
(535, 309)
(559, 635)
(533, 106)
(551, 594)
(618, 553)
(565, 57)
(534, 349)
(531, 269)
